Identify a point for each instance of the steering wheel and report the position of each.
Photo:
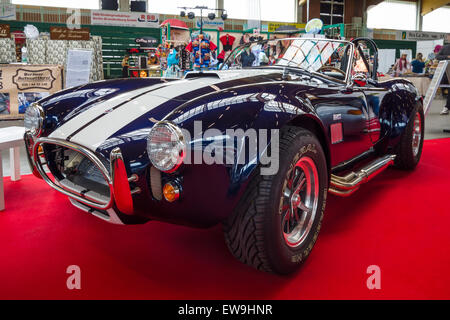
(330, 68)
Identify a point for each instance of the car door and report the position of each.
(341, 106)
(367, 52)
(374, 97)
(344, 113)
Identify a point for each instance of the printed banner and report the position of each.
(21, 85)
(7, 11)
(146, 42)
(275, 25)
(124, 19)
(5, 31)
(63, 33)
(420, 35)
(217, 24)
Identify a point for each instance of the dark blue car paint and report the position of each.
(210, 192)
(66, 104)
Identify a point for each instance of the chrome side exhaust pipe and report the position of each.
(346, 185)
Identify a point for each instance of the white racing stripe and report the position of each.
(95, 134)
(84, 117)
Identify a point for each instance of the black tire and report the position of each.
(254, 232)
(407, 158)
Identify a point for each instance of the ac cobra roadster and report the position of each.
(315, 119)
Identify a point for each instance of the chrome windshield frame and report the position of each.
(349, 64)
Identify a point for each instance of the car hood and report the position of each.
(90, 119)
(65, 105)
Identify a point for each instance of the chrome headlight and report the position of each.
(166, 146)
(34, 117)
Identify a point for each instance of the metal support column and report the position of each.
(124, 5)
(220, 4)
(419, 18)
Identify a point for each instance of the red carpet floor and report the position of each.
(400, 222)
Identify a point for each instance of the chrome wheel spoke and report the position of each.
(292, 178)
(304, 208)
(301, 185)
(417, 134)
(286, 212)
(287, 192)
(302, 223)
(301, 182)
(289, 223)
(300, 201)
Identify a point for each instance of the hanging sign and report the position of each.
(5, 31)
(275, 25)
(124, 19)
(420, 35)
(63, 33)
(146, 42)
(217, 23)
(7, 11)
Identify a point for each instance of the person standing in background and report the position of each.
(444, 54)
(247, 58)
(153, 58)
(417, 64)
(433, 54)
(125, 66)
(402, 66)
(263, 60)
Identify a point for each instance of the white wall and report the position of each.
(427, 47)
(437, 20)
(83, 4)
(268, 10)
(392, 15)
(386, 58)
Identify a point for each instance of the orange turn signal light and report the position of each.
(171, 192)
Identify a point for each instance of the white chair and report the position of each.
(10, 138)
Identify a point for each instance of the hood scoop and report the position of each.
(198, 74)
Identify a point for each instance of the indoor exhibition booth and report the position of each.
(191, 156)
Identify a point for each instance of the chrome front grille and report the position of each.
(75, 167)
(75, 171)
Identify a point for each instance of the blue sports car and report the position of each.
(256, 147)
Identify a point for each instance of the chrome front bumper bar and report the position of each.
(110, 216)
(65, 187)
(118, 181)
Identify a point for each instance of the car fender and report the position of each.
(262, 107)
(395, 115)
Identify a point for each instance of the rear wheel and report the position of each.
(278, 219)
(409, 149)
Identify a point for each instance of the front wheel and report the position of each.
(277, 221)
(409, 149)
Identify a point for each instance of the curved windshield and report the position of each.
(308, 54)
